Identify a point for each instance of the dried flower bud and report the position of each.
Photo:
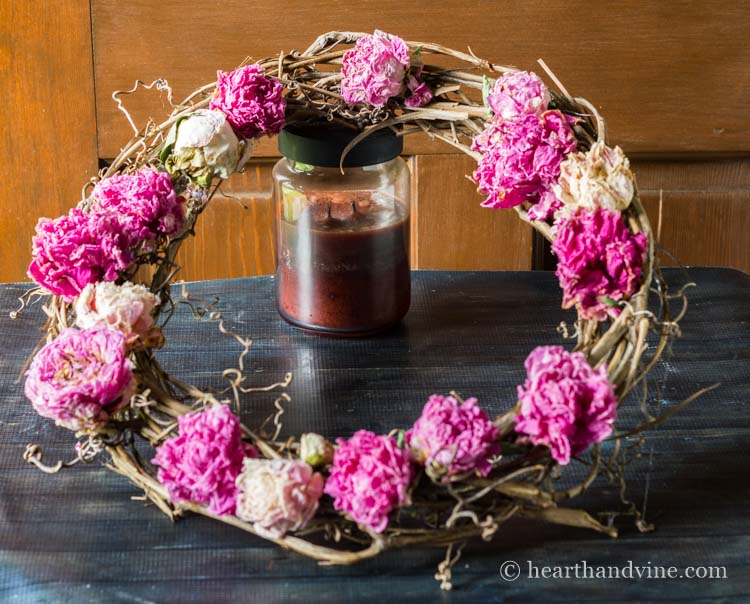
(204, 146)
(315, 450)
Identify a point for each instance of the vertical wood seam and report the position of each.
(94, 82)
(414, 194)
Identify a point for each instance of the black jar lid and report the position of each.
(321, 144)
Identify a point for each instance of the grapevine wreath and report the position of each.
(105, 269)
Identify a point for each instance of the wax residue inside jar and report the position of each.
(343, 261)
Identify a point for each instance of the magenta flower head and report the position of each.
(375, 70)
(369, 477)
(278, 495)
(566, 405)
(453, 438)
(72, 251)
(599, 261)
(518, 93)
(252, 102)
(521, 157)
(81, 378)
(203, 461)
(145, 203)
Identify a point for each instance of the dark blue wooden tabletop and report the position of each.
(78, 536)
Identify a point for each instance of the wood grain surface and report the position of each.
(78, 537)
(705, 219)
(452, 230)
(671, 78)
(668, 76)
(705, 213)
(234, 236)
(47, 119)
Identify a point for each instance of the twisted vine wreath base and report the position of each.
(521, 482)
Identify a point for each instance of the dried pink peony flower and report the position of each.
(518, 93)
(75, 250)
(566, 405)
(419, 93)
(521, 157)
(599, 178)
(277, 495)
(80, 378)
(599, 261)
(145, 204)
(127, 308)
(252, 102)
(370, 476)
(375, 69)
(203, 461)
(453, 438)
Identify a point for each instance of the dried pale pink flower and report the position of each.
(252, 101)
(518, 93)
(521, 157)
(598, 178)
(75, 250)
(203, 461)
(81, 378)
(278, 495)
(127, 308)
(369, 477)
(375, 69)
(453, 438)
(599, 261)
(566, 405)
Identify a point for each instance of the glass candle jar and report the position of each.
(342, 239)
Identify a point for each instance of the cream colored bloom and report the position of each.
(600, 177)
(277, 495)
(127, 308)
(204, 146)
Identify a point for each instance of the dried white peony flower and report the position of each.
(204, 146)
(600, 177)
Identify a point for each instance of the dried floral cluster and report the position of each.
(455, 473)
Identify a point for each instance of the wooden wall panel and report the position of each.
(47, 119)
(234, 236)
(705, 209)
(712, 175)
(668, 76)
(703, 229)
(450, 230)
(453, 231)
(671, 79)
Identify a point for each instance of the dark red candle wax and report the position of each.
(343, 265)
